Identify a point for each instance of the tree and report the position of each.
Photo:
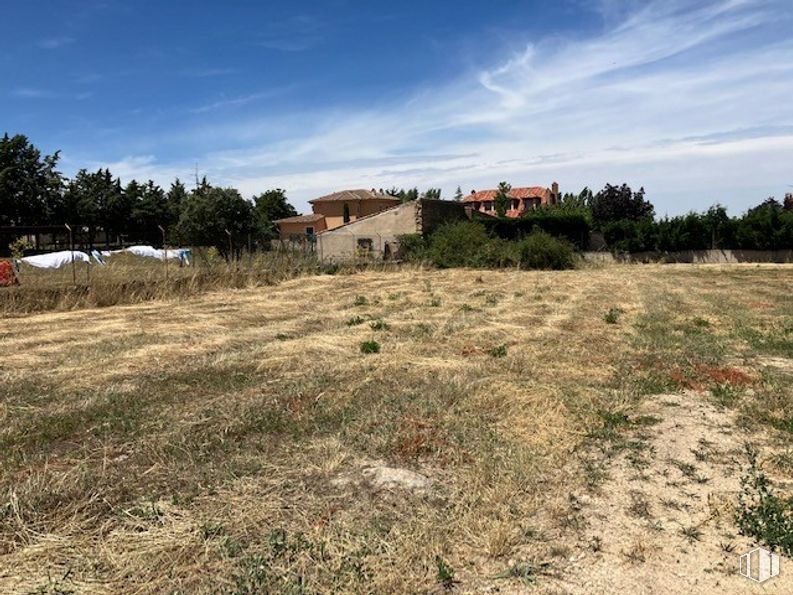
(268, 208)
(176, 197)
(575, 202)
(209, 212)
(502, 199)
(432, 194)
(618, 203)
(88, 197)
(458, 194)
(30, 186)
(404, 195)
(150, 212)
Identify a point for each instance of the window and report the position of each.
(489, 205)
(346, 213)
(514, 204)
(310, 231)
(364, 247)
(531, 203)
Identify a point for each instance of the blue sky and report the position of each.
(691, 99)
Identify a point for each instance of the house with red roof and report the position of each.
(334, 210)
(521, 199)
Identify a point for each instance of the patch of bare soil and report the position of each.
(663, 520)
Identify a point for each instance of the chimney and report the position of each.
(555, 192)
(473, 191)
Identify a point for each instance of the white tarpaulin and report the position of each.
(149, 252)
(55, 260)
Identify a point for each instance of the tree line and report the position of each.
(34, 193)
(626, 220)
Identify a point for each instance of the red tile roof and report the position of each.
(355, 195)
(527, 192)
(301, 219)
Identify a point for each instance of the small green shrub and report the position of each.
(360, 300)
(282, 337)
(412, 247)
(612, 316)
(355, 320)
(761, 513)
(379, 325)
(540, 250)
(434, 302)
(445, 573)
(370, 347)
(500, 351)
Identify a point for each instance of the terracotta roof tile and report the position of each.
(526, 192)
(355, 195)
(301, 219)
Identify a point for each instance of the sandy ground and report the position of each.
(638, 517)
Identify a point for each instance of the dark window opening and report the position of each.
(346, 213)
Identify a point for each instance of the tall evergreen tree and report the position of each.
(502, 199)
(30, 185)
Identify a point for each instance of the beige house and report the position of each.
(335, 210)
(377, 235)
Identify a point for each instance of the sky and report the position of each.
(693, 100)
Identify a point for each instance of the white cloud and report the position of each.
(663, 98)
(53, 43)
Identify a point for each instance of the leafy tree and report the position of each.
(404, 195)
(617, 203)
(575, 202)
(765, 227)
(502, 199)
(432, 194)
(269, 207)
(30, 185)
(209, 212)
(458, 194)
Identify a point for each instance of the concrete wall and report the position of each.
(377, 236)
(371, 237)
(695, 256)
(287, 230)
(433, 213)
(334, 209)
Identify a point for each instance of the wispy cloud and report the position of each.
(207, 72)
(31, 93)
(295, 34)
(234, 102)
(683, 97)
(53, 43)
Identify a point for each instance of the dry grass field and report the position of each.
(398, 432)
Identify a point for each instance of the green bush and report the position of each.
(458, 244)
(370, 347)
(412, 247)
(763, 514)
(572, 226)
(540, 250)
